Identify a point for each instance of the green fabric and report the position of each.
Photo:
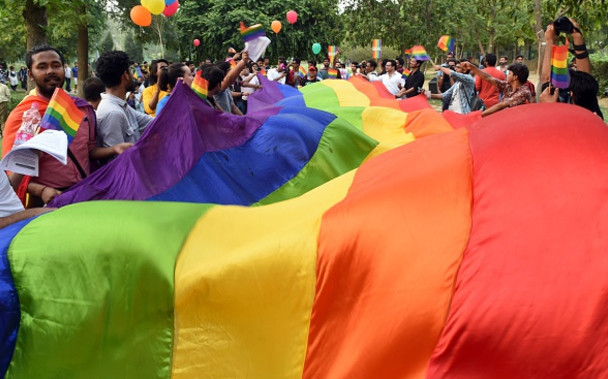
(351, 114)
(320, 97)
(342, 148)
(94, 306)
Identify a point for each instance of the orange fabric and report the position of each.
(426, 122)
(14, 119)
(387, 261)
(376, 97)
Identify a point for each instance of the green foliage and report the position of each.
(600, 71)
(133, 49)
(107, 44)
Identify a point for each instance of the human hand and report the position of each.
(121, 147)
(547, 97)
(550, 35)
(437, 67)
(466, 66)
(245, 56)
(48, 193)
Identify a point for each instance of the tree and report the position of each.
(133, 49)
(107, 44)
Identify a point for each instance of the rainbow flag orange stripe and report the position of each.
(200, 85)
(419, 53)
(62, 114)
(560, 77)
(446, 43)
(376, 48)
(252, 32)
(332, 73)
(405, 73)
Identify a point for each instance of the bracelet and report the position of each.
(580, 47)
(582, 55)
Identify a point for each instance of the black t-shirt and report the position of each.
(414, 80)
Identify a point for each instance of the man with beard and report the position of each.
(117, 123)
(414, 81)
(45, 68)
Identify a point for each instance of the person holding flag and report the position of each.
(45, 66)
(414, 81)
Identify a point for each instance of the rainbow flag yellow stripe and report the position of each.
(200, 85)
(62, 114)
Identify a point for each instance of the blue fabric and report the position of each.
(161, 104)
(293, 101)
(9, 300)
(243, 175)
(289, 91)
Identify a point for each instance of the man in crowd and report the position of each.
(75, 76)
(459, 96)
(92, 88)
(369, 70)
(414, 81)
(293, 77)
(503, 63)
(5, 98)
(514, 91)
(152, 94)
(312, 76)
(68, 77)
(392, 80)
(444, 82)
(117, 123)
(278, 74)
(45, 66)
(488, 92)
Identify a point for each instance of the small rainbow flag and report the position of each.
(407, 51)
(376, 48)
(332, 50)
(138, 74)
(302, 72)
(446, 43)
(262, 72)
(231, 50)
(252, 32)
(62, 114)
(419, 53)
(231, 61)
(405, 73)
(560, 76)
(332, 73)
(200, 85)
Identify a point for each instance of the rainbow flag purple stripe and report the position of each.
(252, 32)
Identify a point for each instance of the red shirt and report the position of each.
(487, 91)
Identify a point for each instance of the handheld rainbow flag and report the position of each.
(560, 76)
(302, 72)
(200, 85)
(376, 48)
(446, 43)
(62, 114)
(407, 51)
(231, 50)
(252, 32)
(231, 61)
(138, 74)
(405, 73)
(255, 40)
(332, 73)
(332, 50)
(419, 53)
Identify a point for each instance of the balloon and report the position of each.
(196, 42)
(292, 17)
(154, 6)
(169, 2)
(316, 48)
(276, 26)
(141, 16)
(171, 9)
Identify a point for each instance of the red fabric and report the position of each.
(531, 294)
(458, 120)
(487, 91)
(414, 103)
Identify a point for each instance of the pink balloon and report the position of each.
(196, 42)
(171, 9)
(292, 17)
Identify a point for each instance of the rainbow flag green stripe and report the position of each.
(252, 32)
(55, 118)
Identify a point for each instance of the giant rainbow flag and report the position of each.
(453, 251)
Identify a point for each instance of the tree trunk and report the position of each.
(35, 21)
(83, 49)
(540, 38)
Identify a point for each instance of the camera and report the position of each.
(563, 24)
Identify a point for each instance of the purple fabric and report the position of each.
(172, 144)
(266, 97)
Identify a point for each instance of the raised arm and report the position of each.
(482, 74)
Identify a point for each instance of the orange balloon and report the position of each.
(276, 26)
(141, 16)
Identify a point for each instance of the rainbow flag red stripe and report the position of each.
(405, 73)
(332, 73)
(302, 72)
(446, 43)
(200, 85)
(560, 77)
(419, 53)
(252, 32)
(376, 48)
(62, 114)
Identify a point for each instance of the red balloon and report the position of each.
(292, 17)
(171, 8)
(196, 42)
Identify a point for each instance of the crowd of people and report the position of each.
(123, 98)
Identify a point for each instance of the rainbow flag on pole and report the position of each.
(446, 43)
(62, 114)
(200, 85)
(302, 72)
(419, 53)
(405, 73)
(560, 77)
(332, 50)
(376, 48)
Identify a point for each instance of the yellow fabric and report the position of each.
(244, 287)
(387, 126)
(347, 94)
(147, 95)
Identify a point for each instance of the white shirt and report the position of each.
(254, 82)
(391, 82)
(9, 202)
(68, 73)
(273, 74)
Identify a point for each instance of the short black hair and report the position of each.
(224, 66)
(93, 88)
(521, 70)
(40, 49)
(392, 62)
(372, 63)
(213, 74)
(168, 78)
(491, 59)
(297, 60)
(519, 56)
(111, 65)
(153, 76)
(400, 60)
(584, 89)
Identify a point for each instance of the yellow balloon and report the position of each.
(154, 6)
